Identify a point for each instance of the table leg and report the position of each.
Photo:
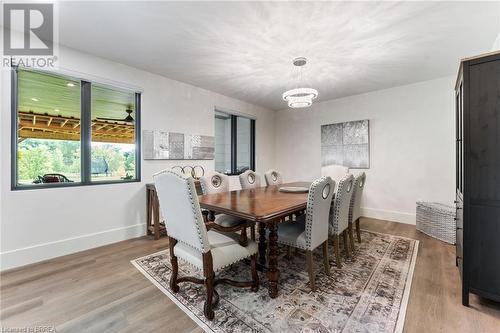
(149, 207)
(273, 273)
(156, 213)
(262, 244)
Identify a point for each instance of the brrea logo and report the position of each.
(35, 23)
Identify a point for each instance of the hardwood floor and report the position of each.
(99, 290)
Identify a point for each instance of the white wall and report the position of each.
(496, 43)
(44, 223)
(411, 145)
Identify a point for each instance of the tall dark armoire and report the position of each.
(478, 176)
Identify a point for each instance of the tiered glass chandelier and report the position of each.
(300, 97)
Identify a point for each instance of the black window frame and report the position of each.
(234, 143)
(85, 135)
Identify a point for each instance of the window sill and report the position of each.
(66, 185)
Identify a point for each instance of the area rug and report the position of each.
(368, 294)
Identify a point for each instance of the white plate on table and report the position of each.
(294, 189)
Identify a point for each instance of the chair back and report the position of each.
(273, 177)
(181, 209)
(339, 213)
(319, 202)
(214, 182)
(358, 186)
(249, 179)
(336, 172)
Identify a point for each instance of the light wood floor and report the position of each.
(99, 290)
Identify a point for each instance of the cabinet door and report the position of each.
(483, 224)
(483, 249)
(484, 129)
(459, 136)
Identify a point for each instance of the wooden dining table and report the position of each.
(267, 206)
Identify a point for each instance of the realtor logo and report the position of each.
(29, 35)
(33, 25)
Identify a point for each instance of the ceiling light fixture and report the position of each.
(300, 97)
(69, 84)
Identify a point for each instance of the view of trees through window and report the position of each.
(40, 157)
(112, 161)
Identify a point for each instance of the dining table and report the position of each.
(267, 207)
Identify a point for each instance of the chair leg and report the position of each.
(208, 306)
(173, 278)
(252, 233)
(358, 230)
(310, 269)
(255, 275)
(326, 262)
(336, 249)
(175, 266)
(346, 244)
(351, 237)
(288, 252)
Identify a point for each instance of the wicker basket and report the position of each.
(437, 220)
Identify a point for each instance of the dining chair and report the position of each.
(215, 182)
(203, 246)
(339, 216)
(355, 207)
(336, 172)
(273, 177)
(311, 229)
(249, 179)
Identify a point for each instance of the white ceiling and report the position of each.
(244, 49)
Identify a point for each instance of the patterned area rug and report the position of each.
(368, 294)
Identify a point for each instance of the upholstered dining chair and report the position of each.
(336, 172)
(249, 179)
(273, 177)
(339, 216)
(355, 207)
(311, 229)
(215, 182)
(201, 245)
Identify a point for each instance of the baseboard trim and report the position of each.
(32, 254)
(388, 215)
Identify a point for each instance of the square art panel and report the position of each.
(158, 145)
(346, 144)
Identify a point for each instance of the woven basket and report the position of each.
(437, 220)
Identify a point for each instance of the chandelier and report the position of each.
(300, 97)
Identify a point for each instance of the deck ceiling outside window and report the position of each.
(47, 110)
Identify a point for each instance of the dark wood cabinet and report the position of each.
(478, 176)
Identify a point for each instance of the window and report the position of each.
(113, 134)
(48, 135)
(70, 132)
(234, 143)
